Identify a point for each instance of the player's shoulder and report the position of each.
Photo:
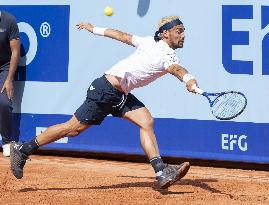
(149, 38)
(144, 38)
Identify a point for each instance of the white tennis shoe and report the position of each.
(6, 150)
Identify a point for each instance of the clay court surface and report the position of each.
(66, 180)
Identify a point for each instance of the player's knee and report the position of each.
(68, 130)
(74, 130)
(147, 123)
(73, 127)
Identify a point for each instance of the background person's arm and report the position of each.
(15, 56)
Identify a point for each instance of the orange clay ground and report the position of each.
(65, 180)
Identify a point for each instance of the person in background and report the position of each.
(9, 58)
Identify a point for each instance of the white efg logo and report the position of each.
(229, 142)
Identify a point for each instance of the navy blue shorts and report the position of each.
(103, 99)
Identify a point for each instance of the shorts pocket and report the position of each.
(112, 98)
(95, 95)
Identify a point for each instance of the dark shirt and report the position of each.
(8, 31)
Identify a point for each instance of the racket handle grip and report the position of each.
(197, 90)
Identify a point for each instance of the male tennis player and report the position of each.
(110, 94)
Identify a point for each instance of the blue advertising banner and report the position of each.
(202, 139)
(44, 32)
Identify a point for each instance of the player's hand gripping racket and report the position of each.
(225, 105)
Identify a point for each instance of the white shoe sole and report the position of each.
(6, 150)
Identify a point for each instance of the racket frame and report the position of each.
(211, 102)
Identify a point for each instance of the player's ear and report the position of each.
(165, 34)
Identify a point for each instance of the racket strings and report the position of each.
(228, 105)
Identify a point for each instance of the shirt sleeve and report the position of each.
(170, 59)
(136, 40)
(13, 30)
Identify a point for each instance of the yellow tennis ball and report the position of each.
(108, 11)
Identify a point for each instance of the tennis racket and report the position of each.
(225, 105)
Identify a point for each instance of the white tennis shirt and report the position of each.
(149, 62)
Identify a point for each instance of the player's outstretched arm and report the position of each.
(111, 33)
(183, 75)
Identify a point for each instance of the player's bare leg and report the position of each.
(71, 128)
(144, 120)
(20, 152)
(165, 174)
